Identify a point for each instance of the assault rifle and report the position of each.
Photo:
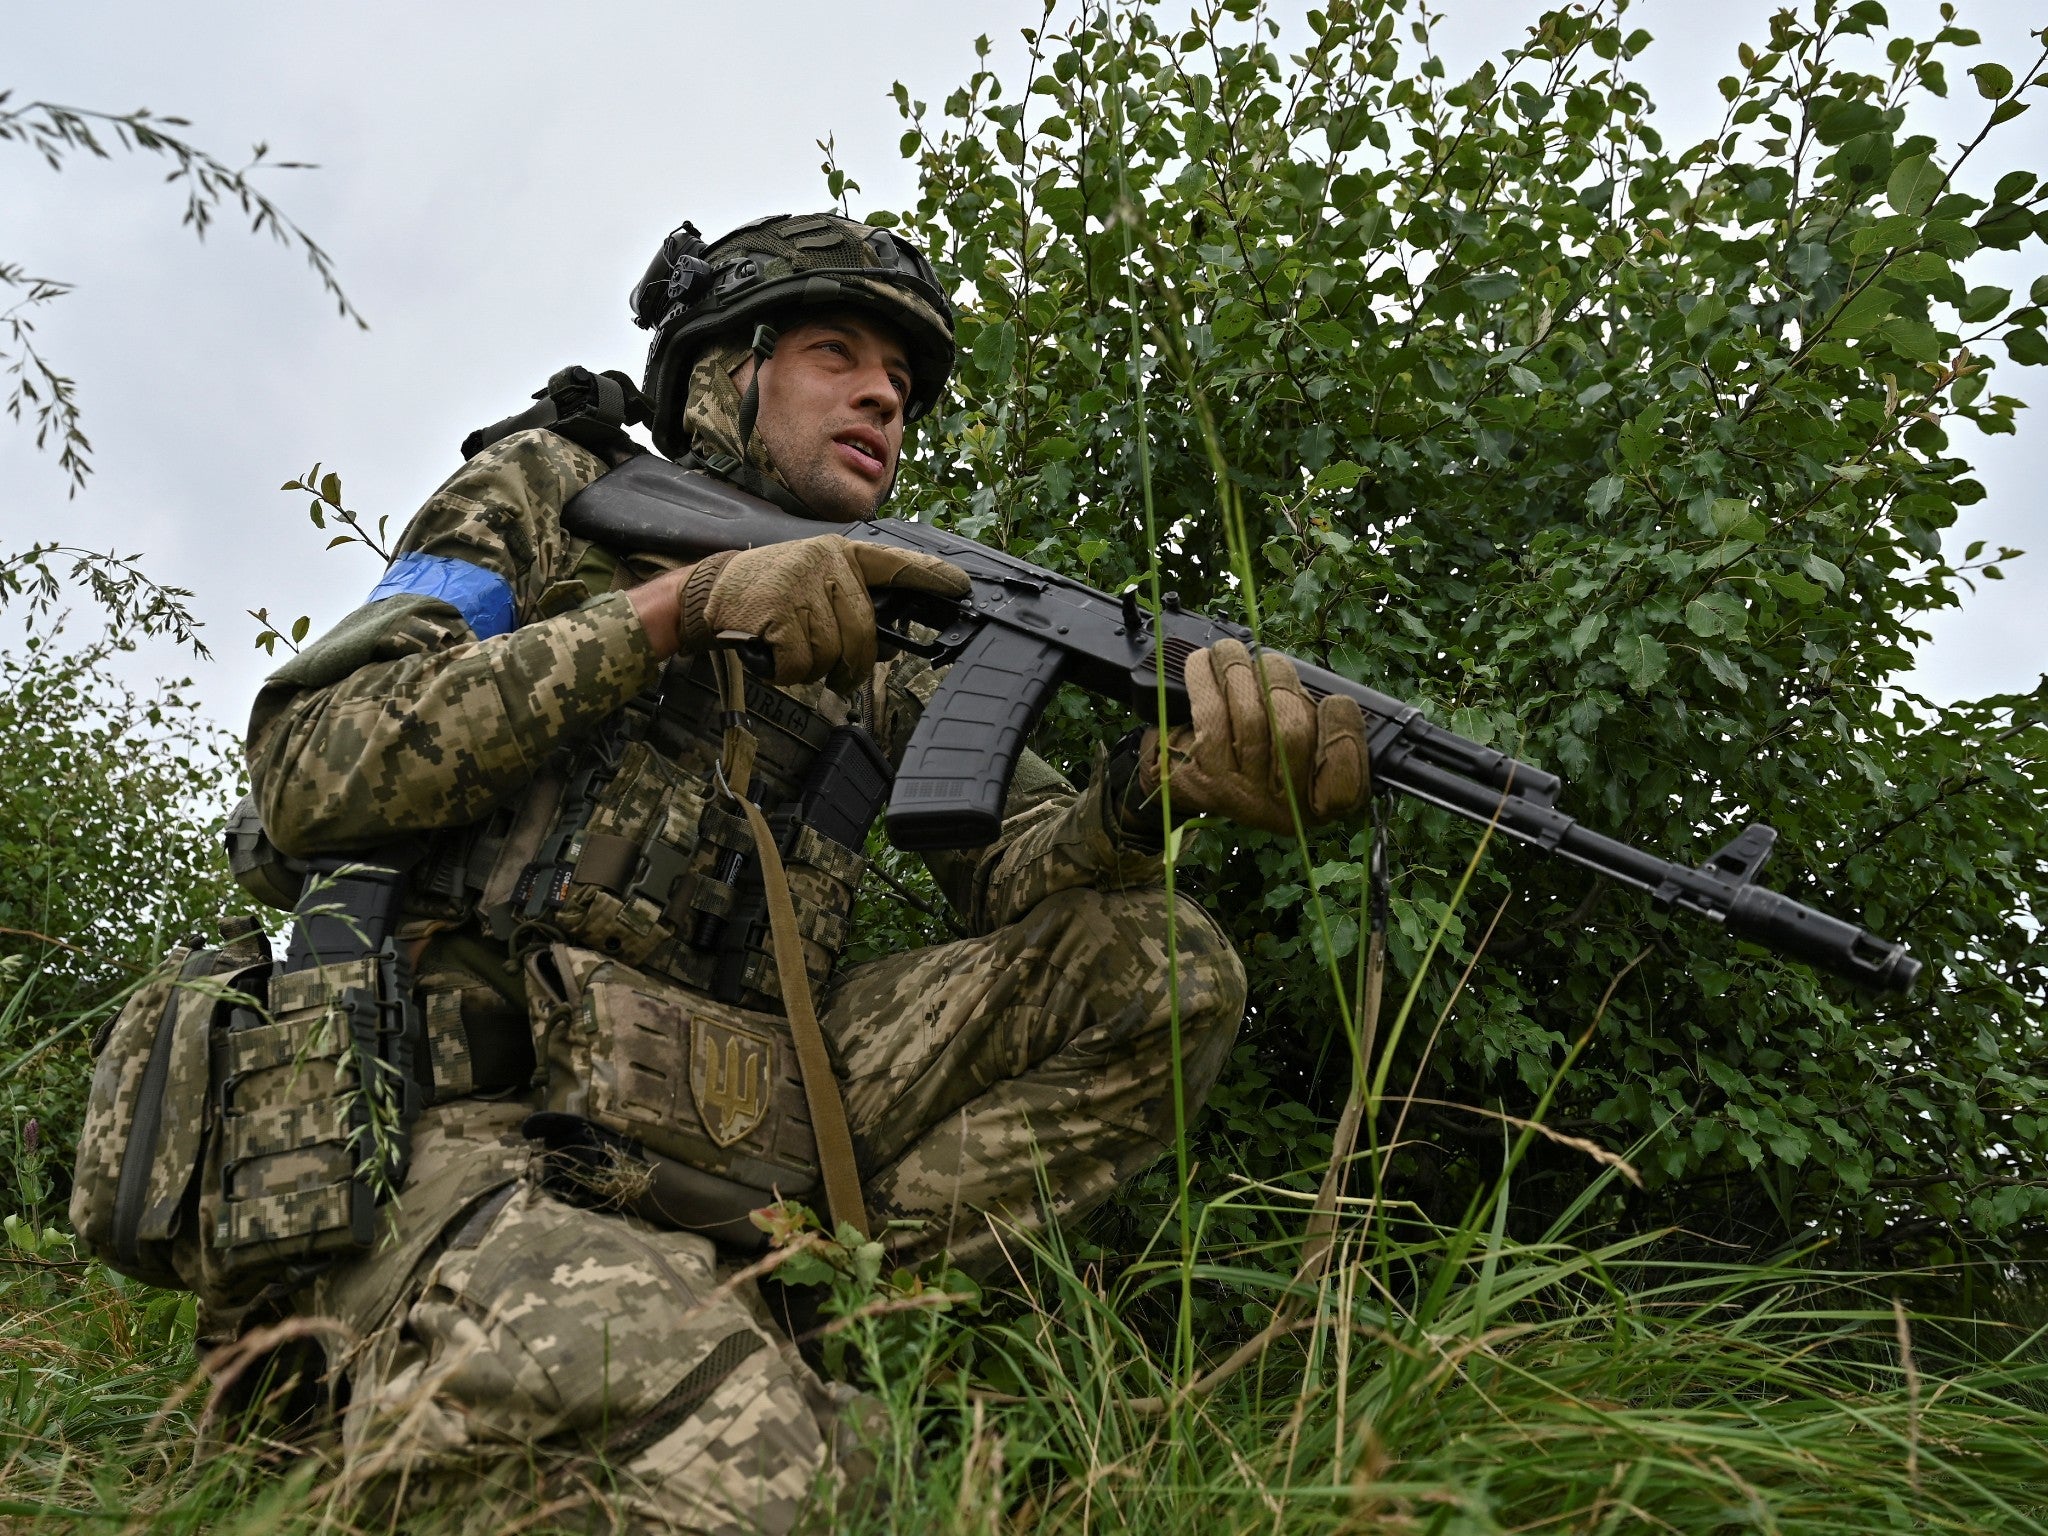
(1023, 631)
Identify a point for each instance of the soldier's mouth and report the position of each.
(863, 450)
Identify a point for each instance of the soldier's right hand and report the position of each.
(807, 601)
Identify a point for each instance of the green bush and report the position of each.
(1629, 458)
(110, 803)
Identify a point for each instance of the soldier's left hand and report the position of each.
(1238, 760)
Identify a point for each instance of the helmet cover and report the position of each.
(694, 294)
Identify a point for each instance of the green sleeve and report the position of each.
(399, 719)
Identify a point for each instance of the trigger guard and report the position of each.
(896, 611)
(893, 641)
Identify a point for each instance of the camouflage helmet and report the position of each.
(694, 293)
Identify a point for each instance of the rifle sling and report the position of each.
(836, 1165)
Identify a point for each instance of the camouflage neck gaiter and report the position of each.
(712, 417)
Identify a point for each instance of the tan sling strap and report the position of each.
(821, 1087)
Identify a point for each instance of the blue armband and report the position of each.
(482, 597)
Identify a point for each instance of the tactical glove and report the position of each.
(807, 600)
(1229, 762)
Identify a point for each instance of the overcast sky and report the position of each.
(492, 179)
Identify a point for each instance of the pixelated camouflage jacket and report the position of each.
(403, 720)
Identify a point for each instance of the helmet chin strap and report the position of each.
(765, 337)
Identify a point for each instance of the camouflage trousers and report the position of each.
(511, 1349)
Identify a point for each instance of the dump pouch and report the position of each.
(135, 1192)
(257, 864)
(680, 1076)
(585, 1164)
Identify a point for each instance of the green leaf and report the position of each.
(1593, 394)
(1734, 518)
(1918, 267)
(1232, 320)
(2005, 226)
(1914, 182)
(1717, 612)
(1725, 672)
(1993, 81)
(1983, 303)
(867, 1265)
(1641, 438)
(1886, 234)
(1492, 289)
(1642, 659)
(1791, 584)
(1915, 340)
(1864, 313)
(1823, 570)
(1585, 632)
(1726, 1078)
(995, 351)
(1710, 310)
(1605, 492)
(1338, 476)
(2027, 347)
(1952, 236)
(2013, 186)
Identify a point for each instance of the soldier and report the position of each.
(542, 722)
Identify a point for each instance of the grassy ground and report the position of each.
(1438, 1383)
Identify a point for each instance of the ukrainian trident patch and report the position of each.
(729, 1070)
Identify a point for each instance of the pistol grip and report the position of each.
(956, 771)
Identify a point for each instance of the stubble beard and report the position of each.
(813, 478)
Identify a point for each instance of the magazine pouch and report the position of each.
(314, 1100)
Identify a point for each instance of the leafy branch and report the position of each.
(325, 508)
(134, 600)
(58, 134)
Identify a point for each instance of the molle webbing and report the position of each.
(643, 861)
(315, 1100)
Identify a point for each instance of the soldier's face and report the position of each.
(831, 412)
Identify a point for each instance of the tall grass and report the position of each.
(1438, 1382)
